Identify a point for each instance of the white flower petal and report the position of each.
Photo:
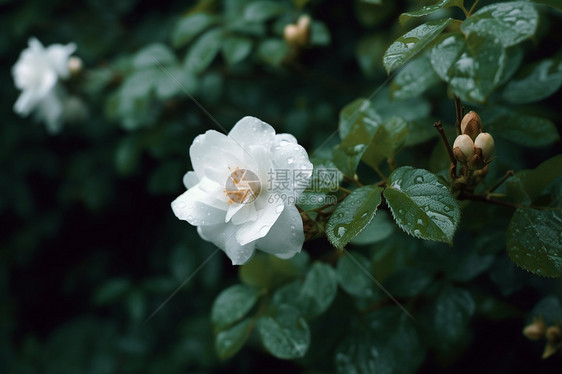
(50, 110)
(266, 217)
(191, 206)
(190, 179)
(26, 102)
(252, 131)
(224, 236)
(58, 55)
(213, 153)
(293, 158)
(246, 213)
(286, 237)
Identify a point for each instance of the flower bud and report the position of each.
(485, 143)
(535, 330)
(550, 349)
(298, 35)
(463, 148)
(471, 125)
(75, 65)
(291, 34)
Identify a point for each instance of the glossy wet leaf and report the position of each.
(352, 275)
(358, 117)
(534, 241)
(346, 157)
(428, 9)
(422, 205)
(414, 79)
(203, 51)
(380, 228)
(232, 304)
(539, 81)
(473, 67)
(387, 141)
(268, 271)
(411, 43)
(285, 334)
(236, 48)
(189, 27)
(510, 23)
(530, 131)
(353, 215)
(230, 341)
(318, 290)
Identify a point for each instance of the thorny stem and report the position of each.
(466, 13)
(458, 110)
(487, 199)
(439, 127)
(507, 175)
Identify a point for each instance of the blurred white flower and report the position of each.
(36, 74)
(242, 192)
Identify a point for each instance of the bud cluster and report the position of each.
(298, 35)
(473, 147)
(537, 330)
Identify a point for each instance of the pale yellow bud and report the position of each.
(463, 148)
(471, 125)
(291, 34)
(553, 334)
(485, 142)
(535, 330)
(75, 65)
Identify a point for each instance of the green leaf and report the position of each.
(509, 22)
(550, 309)
(389, 344)
(473, 67)
(421, 205)
(352, 277)
(386, 142)
(358, 117)
(534, 242)
(318, 290)
(408, 282)
(411, 43)
(259, 11)
(232, 304)
(285, 334)
(428, 9)
(347, 156)
(236, 48)
(313, 295)
(190, 26)
(451, 315)
(380, 228)
(273, 51)
(268, 271)
(556, 4)
(527, 185)
(230, 341)
(353, 215)
(154, 55)
(416, 77)
(420, 131)
(526, 130)
(203, 51)
(319, 33)
(538, 82)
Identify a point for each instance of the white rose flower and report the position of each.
(242, 192)
(36, 73)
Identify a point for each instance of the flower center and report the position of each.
(242, 186)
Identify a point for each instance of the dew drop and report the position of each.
(290, 160)
(340, 231)
(419, 179)
(279, 209)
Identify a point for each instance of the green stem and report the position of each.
(472, 8)
(508, 174)
(379, 172)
